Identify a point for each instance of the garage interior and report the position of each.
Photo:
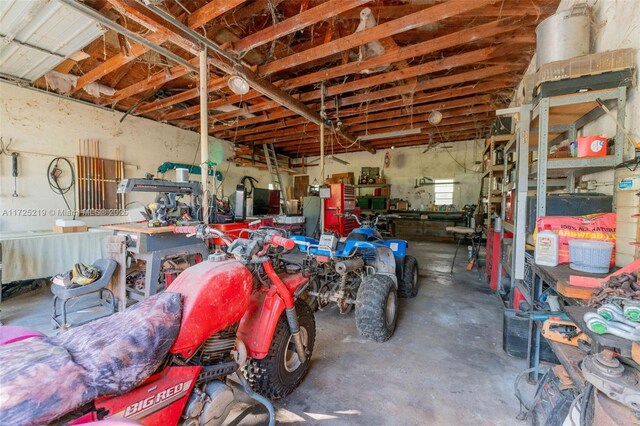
(319, 212)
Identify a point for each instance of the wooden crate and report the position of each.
(69, 229)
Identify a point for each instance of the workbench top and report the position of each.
(558, 277)
(139, 228)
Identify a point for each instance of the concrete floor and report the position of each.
(444, 364)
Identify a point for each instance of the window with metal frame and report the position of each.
(444, 192)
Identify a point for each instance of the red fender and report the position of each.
(261, 318)
(215, 295)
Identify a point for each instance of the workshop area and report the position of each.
(231, 212)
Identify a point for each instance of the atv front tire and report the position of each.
(377, 308)
(408, 283)
(280, 372)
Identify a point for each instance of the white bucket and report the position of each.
(590, 256)
(182, 175)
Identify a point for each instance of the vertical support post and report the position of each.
(116, 249)
(571, 179)
(323, 115)
(619, 144)
(204, 133)
(543, 156)
(522, 186)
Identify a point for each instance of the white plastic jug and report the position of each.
(547, 248)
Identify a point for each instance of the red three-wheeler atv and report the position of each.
(167, 360)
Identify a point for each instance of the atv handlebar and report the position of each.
(279, 241)
(185, 230)
(204, 231)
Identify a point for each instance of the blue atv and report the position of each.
(363, 271)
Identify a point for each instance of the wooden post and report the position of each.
(204, 133)
(117, 250)
(323, 116)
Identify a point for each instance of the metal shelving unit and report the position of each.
(491, 197)
(540, 127)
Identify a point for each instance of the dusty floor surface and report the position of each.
(443, 366)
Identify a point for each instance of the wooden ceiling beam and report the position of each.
(379, 106)
(155, 80)
(136, 50)
(118, 60)
(478, 74)
(210, 11)
(302, 20)
(432, 14)
(502, 10)
(369, 119)
(214, 83)
(225, 101)
(439, 65)
(446, 125)
(459, 78)
(448, 137)
(451, 40)
(405, 53)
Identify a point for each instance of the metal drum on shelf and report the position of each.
(564, 35)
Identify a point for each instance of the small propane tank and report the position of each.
(546, 253)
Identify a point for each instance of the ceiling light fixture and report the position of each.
(238, 85)
(435, 117)
(387, 135)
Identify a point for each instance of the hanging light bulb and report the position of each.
(238, 85)
(435, 117)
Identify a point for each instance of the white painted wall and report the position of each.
(43, 126)
(409, 164)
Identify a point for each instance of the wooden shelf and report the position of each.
(373, 185)
(570, 357)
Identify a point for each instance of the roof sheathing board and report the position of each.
(39, 35)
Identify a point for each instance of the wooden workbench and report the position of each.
(139, 227)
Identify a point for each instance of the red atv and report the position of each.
(165, 368)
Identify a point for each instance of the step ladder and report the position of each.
(274, 171)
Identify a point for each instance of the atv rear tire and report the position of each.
(377, 308)
(280, 372)
(408, 283)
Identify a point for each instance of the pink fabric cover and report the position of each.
(15, 333)
(45, 378)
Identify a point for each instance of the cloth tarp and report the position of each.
(32, 255)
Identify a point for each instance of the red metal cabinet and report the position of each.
(342, 200)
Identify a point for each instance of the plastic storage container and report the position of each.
(590, 256)
(378, 203)
(546, 253)
(591, 146)
(364, 203)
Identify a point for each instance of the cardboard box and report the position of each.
(69, 229)
(347, 178)
(402, 205)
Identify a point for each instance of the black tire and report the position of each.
(408, 283)
(373, 317)
(269, 376)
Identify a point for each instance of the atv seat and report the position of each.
(44, 378)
